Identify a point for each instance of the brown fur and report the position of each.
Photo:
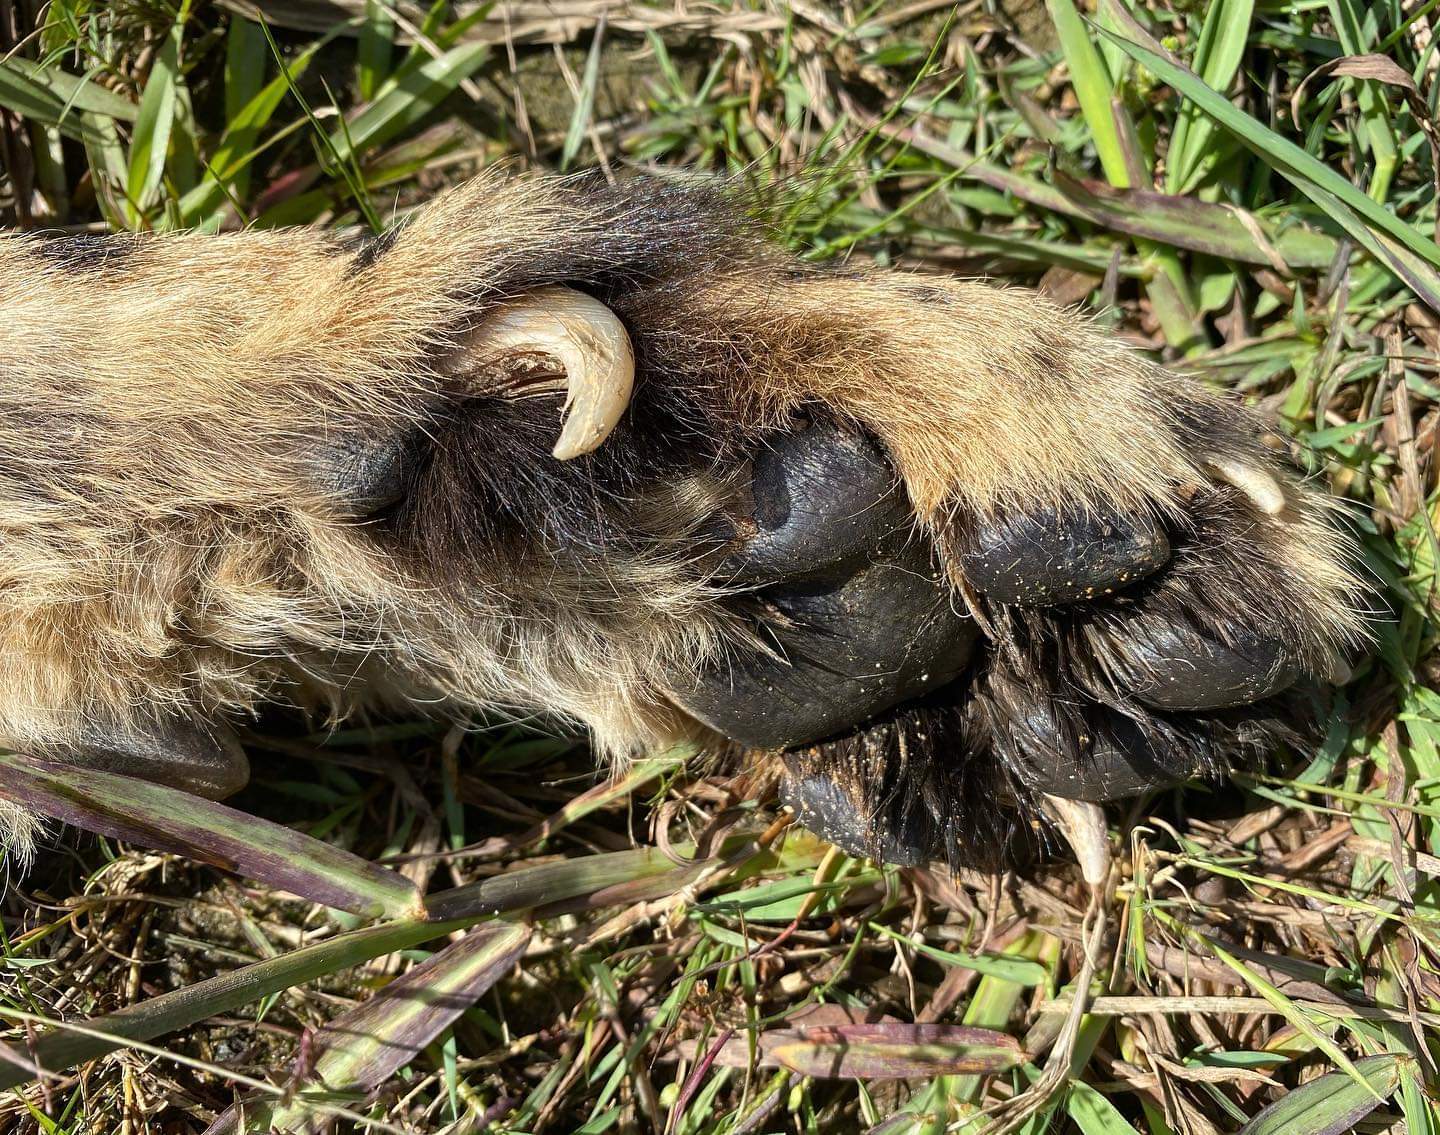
(172, 543)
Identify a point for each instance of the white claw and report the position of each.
(580, 334)
(1083, 824)
(1264, 491)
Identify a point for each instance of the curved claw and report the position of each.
(1262, 489)
(1083, 825)
(574, 332)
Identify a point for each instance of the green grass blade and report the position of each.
(35, 93)
(1290, 1012)
(372, 56)
(1410, 254)
(1185, 222)
(585, 101)
(1357, 31)
(408, 99)
(1117, 146)
(246, 58)
(60, 1049)
(1217, 57)
(154, 815)
(108, 167)
(1422, 1115)
(71, 92)
(993, 1003)
(1092, 1113)
(634, 777)
(150, 143)
(361, 1049)
(615, 878)
(228, 167)
(1332, 1104)
(1093, 85)
(1004, 967)
(342, 164)
(1199, 226)
(1306, 172)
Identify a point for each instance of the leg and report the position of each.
(278, 465)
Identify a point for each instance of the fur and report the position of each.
(174, 543)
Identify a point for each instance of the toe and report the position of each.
(1107, 758)
(204, 759)
(821, 497)
(1228, 623)
(360, 476)
(853, 611)
(822, 804)
(1176, 667)
(1052, 556)
(841, 652)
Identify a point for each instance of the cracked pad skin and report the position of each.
(289, 481)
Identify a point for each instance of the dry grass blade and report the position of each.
(562, 21)
(870, 1051)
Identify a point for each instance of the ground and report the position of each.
(1277, 933)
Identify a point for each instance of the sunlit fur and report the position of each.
(174, 542)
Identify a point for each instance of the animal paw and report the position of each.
(912, 675)
(604, 455)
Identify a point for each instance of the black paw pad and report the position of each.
(822, 805)
(852, 613)
(1168, 665)
(820, 498)
(1050, 556)
(360, 476)
(838, 653)
(205, 760)
(1099, 756)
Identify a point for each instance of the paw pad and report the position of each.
(822, 803)
(1176, 667)
(1050, 556)
(849, 604)
(1125, 653)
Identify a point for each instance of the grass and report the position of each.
(654, 954)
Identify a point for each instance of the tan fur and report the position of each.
(165, 548)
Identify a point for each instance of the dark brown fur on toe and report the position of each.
(274, 465)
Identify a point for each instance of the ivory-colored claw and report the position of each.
(1264, 491)
(1083, 824)
(580, 334)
